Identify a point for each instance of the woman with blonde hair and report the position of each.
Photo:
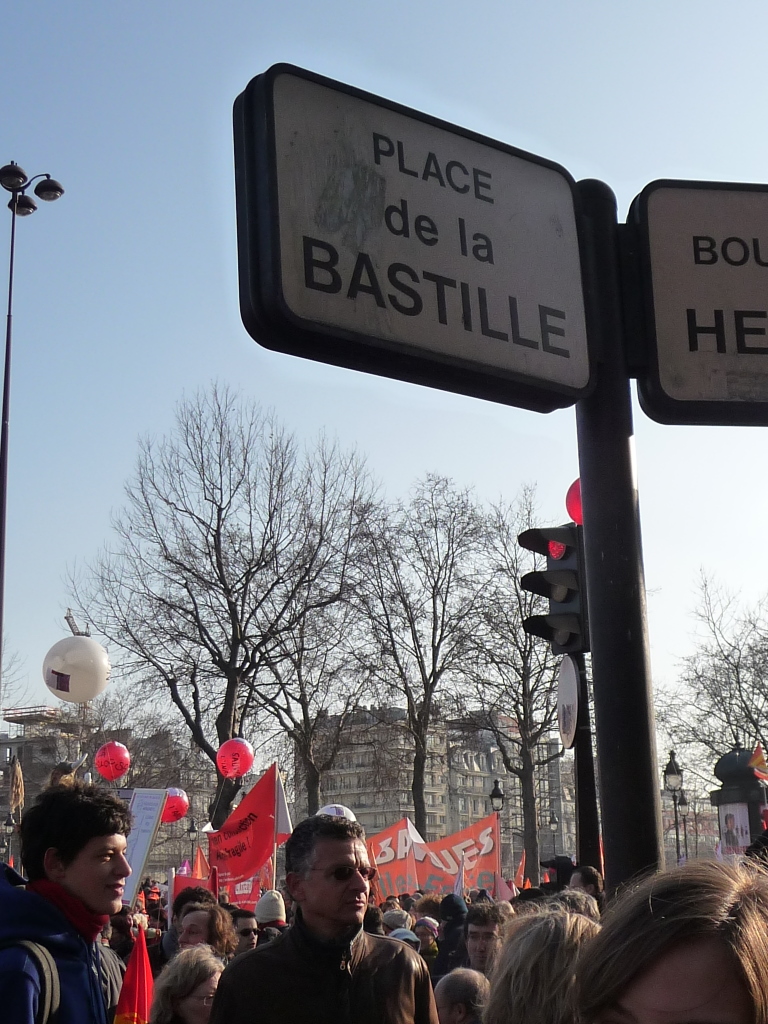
(533, 980)
(687, 945)
(185, 988)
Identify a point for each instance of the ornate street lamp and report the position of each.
(682, 806)
(497, 797)
(554, 822)
(192, 833)
(14, 180)
(673, 783)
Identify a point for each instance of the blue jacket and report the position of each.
(26, 915)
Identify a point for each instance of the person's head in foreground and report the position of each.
(185, 989)
(482, 935)
(460, 996)
(210, 924)
(75, 837)
(534, 976)
(328, 874)
(690, 945)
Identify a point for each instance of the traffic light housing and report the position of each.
(563, 582)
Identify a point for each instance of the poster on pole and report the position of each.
(734, 828)
(146, 806)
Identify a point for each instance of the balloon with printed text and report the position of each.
(112, 760)
(234, 758)
(176, 805)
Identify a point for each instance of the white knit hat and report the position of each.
(270, 907)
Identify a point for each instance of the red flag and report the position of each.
(246, 840)
(501, 890)
(201, 867)
(135, 1000)
(181, 882)
(758, 763)
(520, 873)
(527, 884)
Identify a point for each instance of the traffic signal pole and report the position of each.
(587, 823)
(621, 671)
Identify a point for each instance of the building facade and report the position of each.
(373, 772)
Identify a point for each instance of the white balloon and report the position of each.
(76, 669)
(338, 811)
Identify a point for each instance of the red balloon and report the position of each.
(112, 760)
(176, 805)
(234, 758)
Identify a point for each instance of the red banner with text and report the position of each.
(247, 838)
(406, 864)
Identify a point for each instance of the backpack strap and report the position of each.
(48, 973)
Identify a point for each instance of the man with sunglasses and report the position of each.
(325, 968)
(247, 930)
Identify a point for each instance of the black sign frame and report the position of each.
(654, 400)
(267, 317)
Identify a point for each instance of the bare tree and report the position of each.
(721, 696)
(231, 536)
(421, 598)
(513, 690)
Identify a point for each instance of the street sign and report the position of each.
(375, 237)
(704, 253)
(567, 700)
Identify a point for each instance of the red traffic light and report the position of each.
(555, 549)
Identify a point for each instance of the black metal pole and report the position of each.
(587, 819)
(685, 836)
(677, 827)
(626, 747)
(6, 413)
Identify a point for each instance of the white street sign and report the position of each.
(707, 267)
(391, 229)
(567, 700)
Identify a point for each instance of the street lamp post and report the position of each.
(192, 833)
(673, 783)
(682, 806)
(497, 803)
(14, 180)
(553, 826)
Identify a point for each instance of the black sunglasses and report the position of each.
(345, 871)
(248, 931)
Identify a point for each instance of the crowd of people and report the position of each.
(689, 946)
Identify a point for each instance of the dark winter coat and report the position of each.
(370, 979)
(27, 915)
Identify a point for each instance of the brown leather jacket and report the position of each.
(297, 979)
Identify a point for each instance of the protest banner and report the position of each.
(252, 832)
(392, 853)
(406, 863)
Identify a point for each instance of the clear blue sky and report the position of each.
(126, 293)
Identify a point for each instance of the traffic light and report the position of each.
(563, 583)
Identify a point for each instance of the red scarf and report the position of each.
(84, 920)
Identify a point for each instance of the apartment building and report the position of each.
(373, 772)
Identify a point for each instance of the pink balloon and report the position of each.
(176, 805)
(112, 760)
(234, 758)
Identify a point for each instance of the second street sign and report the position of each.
(374, 237)
(705, 268)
